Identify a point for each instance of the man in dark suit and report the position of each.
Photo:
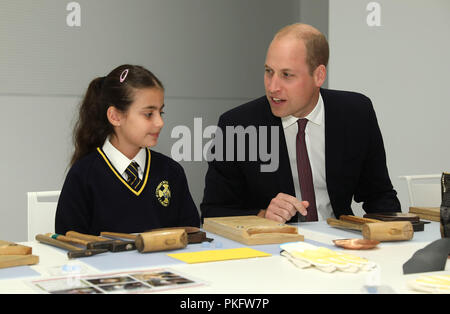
(328, 146)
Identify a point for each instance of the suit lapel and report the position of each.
(284, 172)
(334, 141)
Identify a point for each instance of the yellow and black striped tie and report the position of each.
(133, 177)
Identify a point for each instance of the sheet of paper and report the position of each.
(218, 255)
(141, 281)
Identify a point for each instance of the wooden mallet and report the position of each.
(158, 240)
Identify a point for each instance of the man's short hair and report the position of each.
(317, 49)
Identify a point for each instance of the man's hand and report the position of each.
(283, 207)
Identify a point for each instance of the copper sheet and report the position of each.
(356, 244)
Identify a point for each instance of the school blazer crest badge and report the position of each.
(163, 193)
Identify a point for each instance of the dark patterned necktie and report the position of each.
(133, 177)
(304, 172)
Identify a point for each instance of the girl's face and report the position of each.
(140, 125)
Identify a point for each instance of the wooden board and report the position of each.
(343, 224)
(427, 213)
(252, 230)
(11, 248)
(17, 260)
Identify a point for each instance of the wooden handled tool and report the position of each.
(344, 224)
(373, 229)
(194, 234)
(158, 240)
(162, 240)
(86, 237)
(188, 229)
(66, 239)
(74, 251)
(95, 242)
(134, 236)
(358, 220)
(388, 231)
(118, 235)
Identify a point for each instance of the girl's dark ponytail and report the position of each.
(92, 126)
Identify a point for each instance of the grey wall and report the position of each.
(315, 13)
(402, 66)
(209, 54)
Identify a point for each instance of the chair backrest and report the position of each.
(41, 212)
(424, 190)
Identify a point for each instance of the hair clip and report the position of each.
(123, 75)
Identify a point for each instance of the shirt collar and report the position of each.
(119, 160)
(316, 116)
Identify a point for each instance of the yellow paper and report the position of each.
(218, 255)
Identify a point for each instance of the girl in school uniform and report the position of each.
(116, 183)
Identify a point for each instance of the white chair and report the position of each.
(424, 190)
(41, 212)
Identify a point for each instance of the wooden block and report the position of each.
(11, 248)
(428, 213)
(252, 230)
(18, 260)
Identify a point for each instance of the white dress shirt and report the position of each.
(121, 162)
(315, 144)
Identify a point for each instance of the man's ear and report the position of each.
(320, 74)
(114, 116)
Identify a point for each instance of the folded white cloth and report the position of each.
(431, 284)
(305, 255)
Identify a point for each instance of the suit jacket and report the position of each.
(355, 161)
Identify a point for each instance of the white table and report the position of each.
(265, 275)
